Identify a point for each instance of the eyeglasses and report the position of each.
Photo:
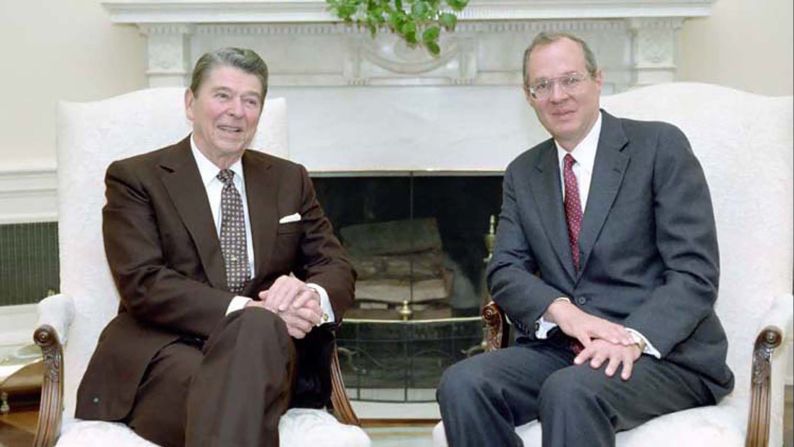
(569, 83)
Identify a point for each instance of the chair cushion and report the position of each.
(299, 427)
(79, 433)
(306, 427)
(712, 426)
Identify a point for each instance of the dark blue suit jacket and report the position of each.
(648, 245)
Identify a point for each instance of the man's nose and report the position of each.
(557, 92)
(235, 107)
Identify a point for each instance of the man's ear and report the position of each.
(599, 79)
(529, 97)
(262, 107)
(189, 103)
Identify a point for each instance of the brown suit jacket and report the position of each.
(165, 257)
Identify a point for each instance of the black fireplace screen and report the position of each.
(417, 241)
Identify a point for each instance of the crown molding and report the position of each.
(316, 11)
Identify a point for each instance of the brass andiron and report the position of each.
(489, 239)
(405, 311)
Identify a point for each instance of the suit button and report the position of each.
(581, 300)
(96, 400)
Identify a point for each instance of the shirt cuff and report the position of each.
(649, 349)
(237, 303)
(543, 326)
(325, 303)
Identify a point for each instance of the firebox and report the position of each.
(417, 242)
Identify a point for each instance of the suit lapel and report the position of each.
(181, 178)
(261, 189)
(547, 191)
(608, 171)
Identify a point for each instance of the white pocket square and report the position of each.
(291, 218)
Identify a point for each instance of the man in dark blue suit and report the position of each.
(606, 263)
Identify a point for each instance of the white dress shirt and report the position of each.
(213, 187)
(584, 153)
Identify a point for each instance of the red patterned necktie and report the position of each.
(573, 208)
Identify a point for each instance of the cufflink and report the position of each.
(323, 319)
(638, 341)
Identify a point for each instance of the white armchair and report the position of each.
(744, 142)
(90, 136)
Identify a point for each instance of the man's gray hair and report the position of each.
(242, 58)
(545, 38)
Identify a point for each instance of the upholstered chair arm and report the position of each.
(341, 403)
(775, 325)
(496, 327)
(55, 317)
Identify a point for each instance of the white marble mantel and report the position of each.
(390, 107)
(642, 31)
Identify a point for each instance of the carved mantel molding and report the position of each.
(361, 104)
(305, 11)
(637, 37)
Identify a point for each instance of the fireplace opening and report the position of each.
(417, 241)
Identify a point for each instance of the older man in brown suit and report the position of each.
(224, 261)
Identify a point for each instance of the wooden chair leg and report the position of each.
(758, 420)
(51, 408)
(341, 403)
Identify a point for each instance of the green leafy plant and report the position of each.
(418, 22)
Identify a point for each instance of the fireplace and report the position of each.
(417, 240)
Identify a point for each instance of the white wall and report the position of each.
(53, 50)
(744, 44)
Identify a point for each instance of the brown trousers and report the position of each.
(229, 391)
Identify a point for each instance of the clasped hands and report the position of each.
(603, 340)
(295, 302)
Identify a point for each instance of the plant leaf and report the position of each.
(409, 27)
(457, 5)
(410, 36)
(420, 10)
(344, 9)
(448, 21)
(375, 18)
(431, 34)
(433, 48)
(396, 21)
(416, 21)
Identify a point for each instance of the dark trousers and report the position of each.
(229, 392)
(485, 397)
